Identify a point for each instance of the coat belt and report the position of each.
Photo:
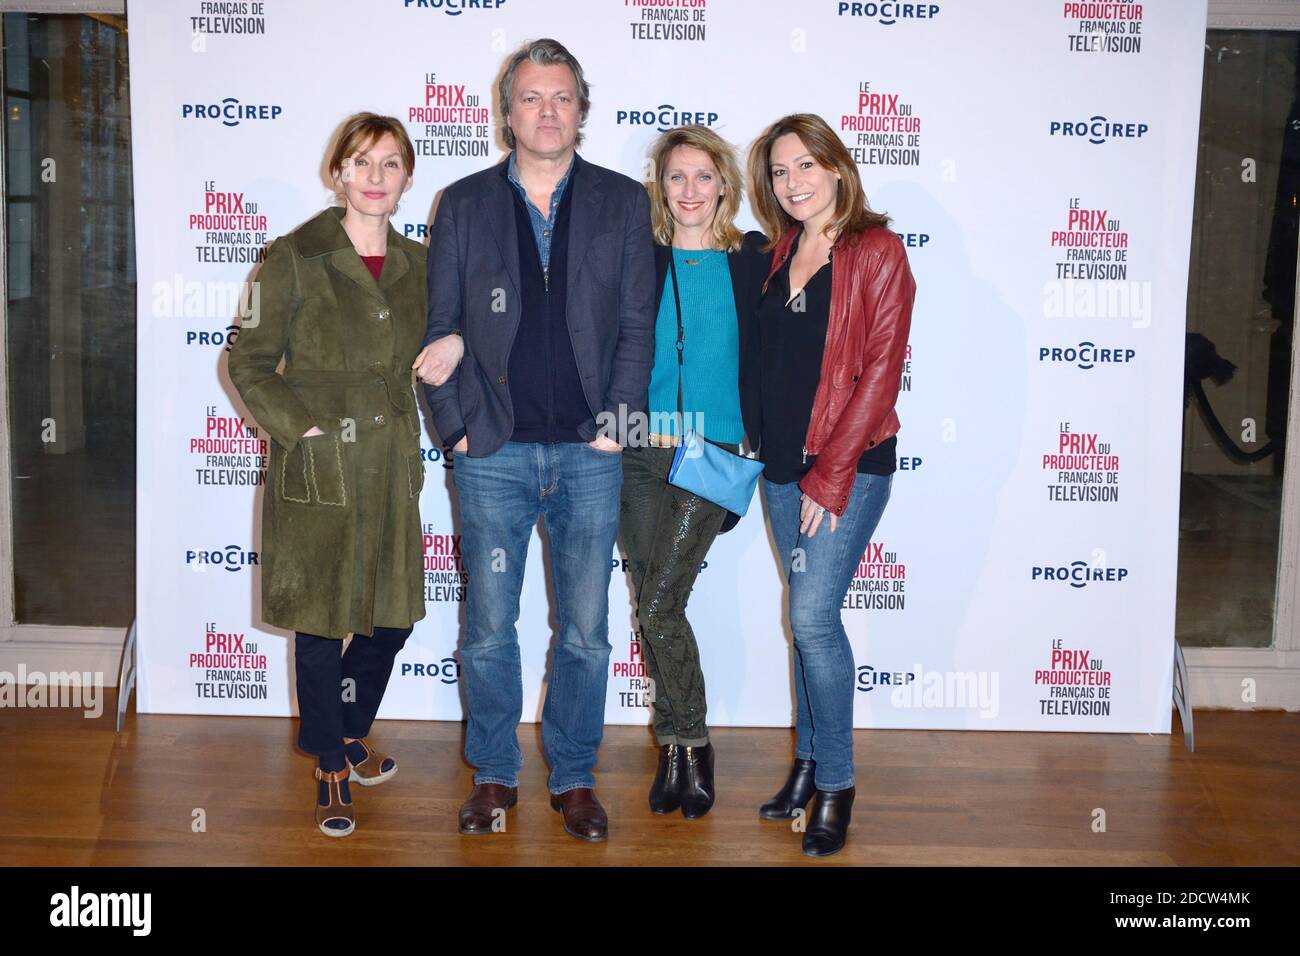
(399, 391)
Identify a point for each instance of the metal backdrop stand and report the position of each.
(1182, 697)
(126, 676)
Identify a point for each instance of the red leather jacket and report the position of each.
(872, 291)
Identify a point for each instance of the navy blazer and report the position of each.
(749, 268)
(474, 286)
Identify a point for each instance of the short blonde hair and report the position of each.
(361, 130)
(725, 234)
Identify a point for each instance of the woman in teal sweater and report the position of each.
(715, 272)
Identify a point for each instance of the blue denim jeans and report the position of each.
(575, 488)
(824, 670)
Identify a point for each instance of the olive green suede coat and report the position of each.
(341, 543)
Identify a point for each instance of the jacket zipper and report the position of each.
(830, 255)
(550, 346)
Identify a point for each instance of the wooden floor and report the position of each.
(76, 793)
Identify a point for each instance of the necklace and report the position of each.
(703, 254)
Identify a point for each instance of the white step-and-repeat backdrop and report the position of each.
(1037, 158)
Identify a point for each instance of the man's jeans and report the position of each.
(823, 659)
(576, 488)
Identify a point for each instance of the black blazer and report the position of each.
(475, 286)
(749, 267)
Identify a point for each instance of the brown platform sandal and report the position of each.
(369, 772)
(336, 809)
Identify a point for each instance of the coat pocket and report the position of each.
(313, 472)
(415, 474)
(844, 378)
(409, 449)
(294, 483)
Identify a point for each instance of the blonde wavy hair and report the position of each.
(723, 156)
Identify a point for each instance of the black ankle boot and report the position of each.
(666, 791)
(697, 790)
(796, 793)
(828, 824)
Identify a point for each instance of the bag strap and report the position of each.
(681, 339)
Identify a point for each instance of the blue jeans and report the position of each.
(823, 659)
(576, 489)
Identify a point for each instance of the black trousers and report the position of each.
(339, 692)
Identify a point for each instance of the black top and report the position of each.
(791, 346)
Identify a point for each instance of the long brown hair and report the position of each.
(852, 216)
(725, 234)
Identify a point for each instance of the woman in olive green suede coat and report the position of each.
(341, 544)
(341, 301)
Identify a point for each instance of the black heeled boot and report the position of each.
(828, 824)
(796, 793)
(697, 789)
(666, 791)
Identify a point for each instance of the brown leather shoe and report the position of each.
(584, 817)
(477, 814)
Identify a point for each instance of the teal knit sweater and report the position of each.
(710, 394)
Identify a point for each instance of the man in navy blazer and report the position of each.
(544, 265)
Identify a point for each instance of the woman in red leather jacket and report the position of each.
(827, 356)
